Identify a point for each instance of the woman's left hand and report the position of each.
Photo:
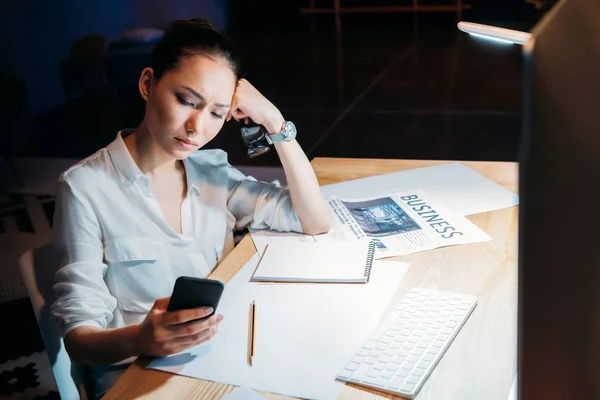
(248, 102)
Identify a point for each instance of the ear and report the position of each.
(145, 83)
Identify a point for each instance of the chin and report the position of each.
(181, 154)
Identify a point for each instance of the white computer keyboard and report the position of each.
(410, 340)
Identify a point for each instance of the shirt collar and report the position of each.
(124, 162)
(122, 159)
(192, 176)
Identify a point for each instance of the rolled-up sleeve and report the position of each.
(82, 297)
(260, 205)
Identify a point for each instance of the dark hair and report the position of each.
(193, 37)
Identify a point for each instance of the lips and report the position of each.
(188, 142)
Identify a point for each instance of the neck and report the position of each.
(147, 154)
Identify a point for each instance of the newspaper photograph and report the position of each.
(399, 224)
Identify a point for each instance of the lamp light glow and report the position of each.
(494, 33)
(495, 39)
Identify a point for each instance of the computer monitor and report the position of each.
(559, 220)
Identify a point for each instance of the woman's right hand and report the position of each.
(163, 333)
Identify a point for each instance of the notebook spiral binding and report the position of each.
(370, 258)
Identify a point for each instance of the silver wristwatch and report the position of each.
(286, 134)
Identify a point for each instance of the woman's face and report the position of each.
(187, 107)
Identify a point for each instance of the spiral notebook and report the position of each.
(292, 261)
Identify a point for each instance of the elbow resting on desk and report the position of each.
(317, 227)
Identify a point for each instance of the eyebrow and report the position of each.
(199, 96)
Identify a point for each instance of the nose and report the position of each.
(195, 123)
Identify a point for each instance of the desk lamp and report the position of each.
(489, 32)
(507, 36)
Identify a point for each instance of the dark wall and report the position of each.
(35, 35)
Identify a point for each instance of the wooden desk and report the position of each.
(481, 361)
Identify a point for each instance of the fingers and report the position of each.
(197, 338)
(183, 316)
(161, 304)
(194, 327)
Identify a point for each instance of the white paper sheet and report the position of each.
(243, 393)
(457, 186)
(304, 333)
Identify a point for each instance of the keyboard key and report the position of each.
(360, 372)
(394, 366)
(381, 346)
(428, 357)
(418, 372)
(401, 373)
(424, 326)
(412, 379)
(373, 381)
(396, 383)
(386, 359)
(375, 353)
(373, 373)
(370, 360)
(434, 351)
(400, 307)
(414, 358)
(351, 366)
(407, 388)
(357, 358)
(424, 364)
(404, 353)
(387, 374)
(408, 366)
(419, 332)
(427, 339)
(400, 359)
(345, 374)
(363, 352)
(380, 365)
(389, 353)
(369, 344)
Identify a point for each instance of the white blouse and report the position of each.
(118, 253)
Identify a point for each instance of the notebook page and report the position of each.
(289, 261)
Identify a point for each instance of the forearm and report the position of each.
(92, 345)
(304, 189)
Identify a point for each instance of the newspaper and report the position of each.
(399, 224)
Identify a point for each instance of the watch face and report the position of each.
(289, 130)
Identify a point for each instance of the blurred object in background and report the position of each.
(15, 118)
(127, 55)
(82, 71)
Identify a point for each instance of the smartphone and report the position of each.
(191, 292)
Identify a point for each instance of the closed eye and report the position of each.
(217, 115)
(185, 102)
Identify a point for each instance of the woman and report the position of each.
(150, 207)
